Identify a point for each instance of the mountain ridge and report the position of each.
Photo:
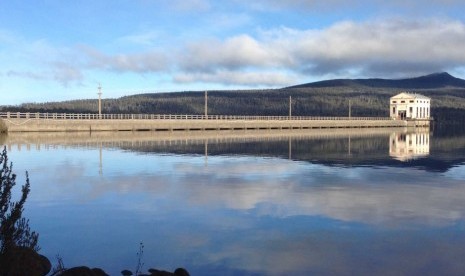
(435, 80)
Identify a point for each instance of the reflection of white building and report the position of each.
(407, 146)
(409, 106)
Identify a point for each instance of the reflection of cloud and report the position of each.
(272, 187)
(246, 215)
(390, 204)
(457, 173)
(343, 253)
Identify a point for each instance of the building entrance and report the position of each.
(402, 114)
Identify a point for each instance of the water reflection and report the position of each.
(410, 145)
(324, 203)
(333, 147)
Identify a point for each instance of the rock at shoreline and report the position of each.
(24, 261)
(86, 271)
(177, 272)
(83, 271)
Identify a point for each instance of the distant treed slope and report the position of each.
(308, 102)
(432, 81)
(369, 97)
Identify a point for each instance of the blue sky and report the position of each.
(53, 50)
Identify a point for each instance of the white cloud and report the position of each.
(25, 74)
(233, 53)
(148, 38)
(7, 37)
(191, 5)
(66, 73)
(266, 5)
(144, 62)
(238, 78)
(382, 47)
(388, 48)
(337, 5)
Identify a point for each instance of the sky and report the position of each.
(53, 50)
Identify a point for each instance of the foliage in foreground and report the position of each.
(14, 229)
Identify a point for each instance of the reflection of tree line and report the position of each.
(351, 147)
(301, 148)
(347, 151)
(337, 151)
(444, 146)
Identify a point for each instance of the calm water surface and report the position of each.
(334, 202)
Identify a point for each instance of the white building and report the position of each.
(410, 106)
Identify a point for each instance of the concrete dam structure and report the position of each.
(63, 122)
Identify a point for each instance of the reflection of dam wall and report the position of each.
(345, 147)
(116, 139)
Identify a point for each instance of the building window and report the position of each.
(394, 101)
(412, 101)
(402, 101)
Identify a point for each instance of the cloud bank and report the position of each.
(278, 57)
(380, 48)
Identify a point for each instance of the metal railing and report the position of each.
(83, 116)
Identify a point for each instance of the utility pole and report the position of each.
(99, 101)
(350, 110)
(206, 105)
(290, 107)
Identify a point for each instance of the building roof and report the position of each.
(406, 95)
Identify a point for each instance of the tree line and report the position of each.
(448, 104)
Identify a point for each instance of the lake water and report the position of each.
(313, 202)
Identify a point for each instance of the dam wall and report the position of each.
(16, 122)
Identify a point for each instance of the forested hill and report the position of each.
(432, 81)
(368, 97)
